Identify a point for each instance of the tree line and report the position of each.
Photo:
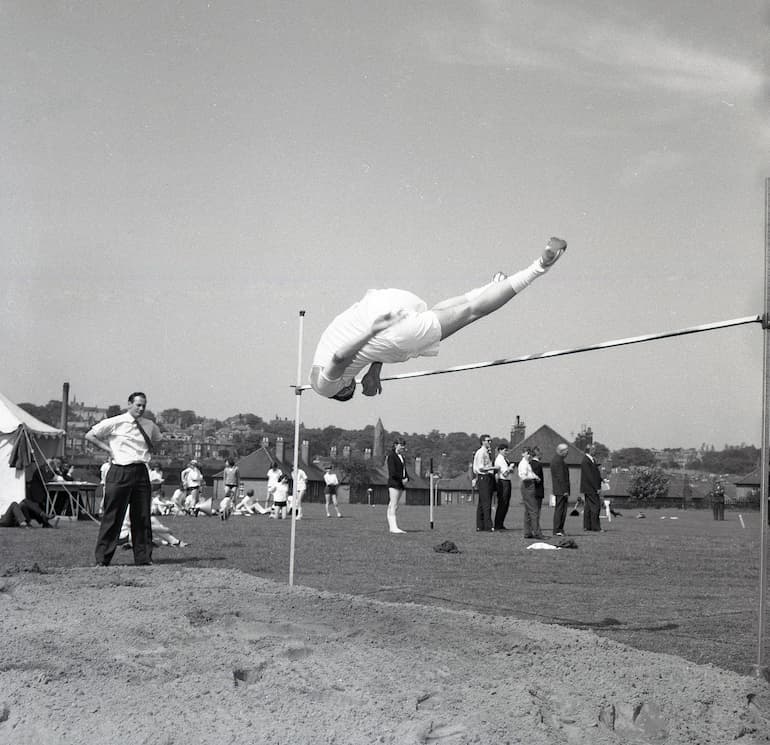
(448, 453)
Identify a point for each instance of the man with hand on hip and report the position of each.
(130, 440)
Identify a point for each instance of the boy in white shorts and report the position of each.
(395, 325)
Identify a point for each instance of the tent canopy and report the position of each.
(21, 435)
(11, 416)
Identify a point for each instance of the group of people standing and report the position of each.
(493, 478)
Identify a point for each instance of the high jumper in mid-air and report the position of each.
(392, 325)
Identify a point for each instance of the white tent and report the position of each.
(20, 431)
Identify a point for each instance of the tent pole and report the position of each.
(761, 666)
(298, 397)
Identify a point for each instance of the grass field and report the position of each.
(686, 586)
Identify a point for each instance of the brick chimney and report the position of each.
(333, 451)
(418, 466)
(279, 449)
(346, 451)
(266, 442)
(305, 451)
(367, 453)
(518, 432)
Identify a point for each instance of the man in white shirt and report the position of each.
(331, 482)
(192, 482)
(504, 470)
(130, 440)
(300, 483)
(529, 480)
(395, 325)
(274, 473)
(484, 471)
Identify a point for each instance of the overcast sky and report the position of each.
(179, 179)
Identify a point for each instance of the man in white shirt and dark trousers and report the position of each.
(484, 471)
(503, 485)
(130, 441)
(529, 480)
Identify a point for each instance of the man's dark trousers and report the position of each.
(503, 501)
(560, 513)
(126, 487)
(532, 506)
(486, 485)
(591, 511)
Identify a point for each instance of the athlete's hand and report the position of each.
(386, 320)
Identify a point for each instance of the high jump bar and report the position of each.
(574, 350)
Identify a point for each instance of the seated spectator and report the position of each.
(178, 502)
(226, 507)
(20, 514)
(159, 505)
(161, 534)
(249, 506)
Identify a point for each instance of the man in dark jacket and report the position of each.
(590, 486)
(560, 487)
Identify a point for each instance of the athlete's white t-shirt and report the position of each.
(417, 335)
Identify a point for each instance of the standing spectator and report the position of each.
(484, 471)
(590, 486)
(529, 481)
(397, 478)
(718, 500)
(103, 480)
(280, 498)
(301, 484)
(537, 467)
(273, 474)
(231, 479)
(560, 487)
(130, 440)
(331, 482)
(192, 482)
(504, 470)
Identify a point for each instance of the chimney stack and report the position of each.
(367, 453)
(418, 466)
(305, 451)
(518, 432)
(65, 413)
(346, 451)
(279, 449)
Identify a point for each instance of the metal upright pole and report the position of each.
(761, 667)
(298, 396)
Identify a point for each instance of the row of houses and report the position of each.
(371, 485)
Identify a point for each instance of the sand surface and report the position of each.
(176, 656)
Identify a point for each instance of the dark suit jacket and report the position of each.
(590, 477)
(396, 471)
(559, 475)
(537, 468)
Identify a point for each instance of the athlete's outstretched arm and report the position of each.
(344, 356)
